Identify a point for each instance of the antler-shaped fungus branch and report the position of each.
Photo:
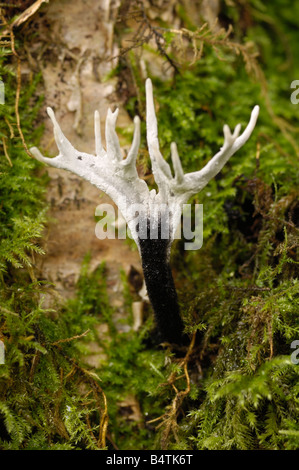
(190, 183)
(176, 191)
(107, 170)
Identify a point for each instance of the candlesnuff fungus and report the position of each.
(118, 178)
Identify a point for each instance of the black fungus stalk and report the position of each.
(161, 288)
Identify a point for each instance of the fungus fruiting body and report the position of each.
(118, 178)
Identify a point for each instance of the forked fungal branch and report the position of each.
(118, 178)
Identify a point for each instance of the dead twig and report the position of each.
(67, 340)
(5, 151)
(145, 33)
(169, 418)
(25, 15)
(9, 32)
